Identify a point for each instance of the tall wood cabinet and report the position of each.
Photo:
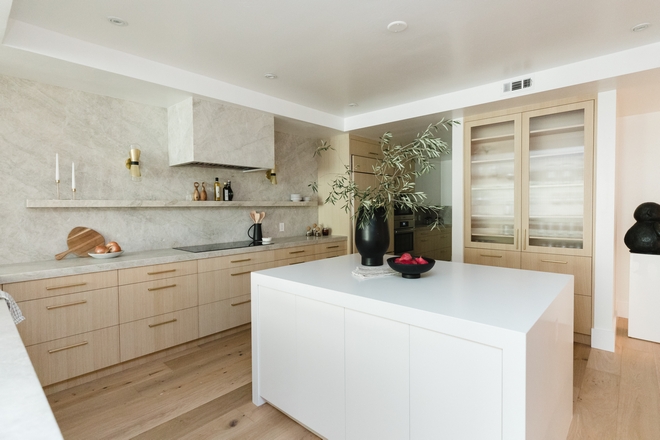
(360, 155)
(528, 194)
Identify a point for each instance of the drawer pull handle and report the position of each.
(375, 154)
(64, 287)
(162, 271)
(66, 305)
(241, 273)
(299, 262)
(297, 252)
(240, 261)
(242, 302)
(55, 350)
(491, 256)
(161, 323)
(555, 261)
(150, 289)
(332, 247)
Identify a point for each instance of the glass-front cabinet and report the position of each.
(529, 181)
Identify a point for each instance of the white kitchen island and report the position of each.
(464, 352)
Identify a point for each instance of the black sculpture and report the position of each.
(644, 236)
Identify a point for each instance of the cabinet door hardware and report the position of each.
(242, 302)
(66, 305)
(555, 261)
(332, 247)
(64, 287)
(299, 262)
(375, 154)
(517, 239)
(240, 261)
(524, 239)
(162, 271)
(241, 273)
(491, 256)
(150, 289)
(296, 252)
(162, 323)
(55, 350)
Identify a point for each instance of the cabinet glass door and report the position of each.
(493, 198)
(556, 165)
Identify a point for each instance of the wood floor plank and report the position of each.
(593, 410)
(639, 396)
(580, 359)
(605, 361)
(180, 427)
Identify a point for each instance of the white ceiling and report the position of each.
(325, 54)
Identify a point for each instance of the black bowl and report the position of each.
(411, 270)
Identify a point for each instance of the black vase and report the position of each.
(373, 239)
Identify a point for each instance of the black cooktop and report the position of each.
(219, 246)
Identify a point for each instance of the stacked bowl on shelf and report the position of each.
(296, 197)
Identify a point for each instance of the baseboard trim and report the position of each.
(604, 339)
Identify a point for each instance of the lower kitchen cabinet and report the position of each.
(222, 315)
(151, 298)
(155, 333)
(489, 257)
(64, 358)
(433, 243)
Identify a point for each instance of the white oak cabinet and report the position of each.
(529, 191)
(72, 326)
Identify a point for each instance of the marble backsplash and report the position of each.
(38, 120)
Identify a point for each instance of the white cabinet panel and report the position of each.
(320, 368)
(277, 350)
(469, 373)
(377, 378)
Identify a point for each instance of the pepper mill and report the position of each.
(196, 195)
(203, 194)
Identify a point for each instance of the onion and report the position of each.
(113, 246)
(100, 249)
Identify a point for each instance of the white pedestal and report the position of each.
(644, 297)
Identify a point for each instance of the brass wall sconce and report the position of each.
(133, 163)
(272, 176)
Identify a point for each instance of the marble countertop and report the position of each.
(72, 265)
(24, 409)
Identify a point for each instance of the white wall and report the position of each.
(638, 181)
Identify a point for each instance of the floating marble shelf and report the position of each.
(163, 204)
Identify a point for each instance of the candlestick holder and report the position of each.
(57, 184)
(73, 191)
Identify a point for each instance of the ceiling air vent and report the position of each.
(518, 84)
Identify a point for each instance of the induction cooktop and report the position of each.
(219, 246)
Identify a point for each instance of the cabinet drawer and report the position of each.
(222, 315)
(227, 283)
(363, 164)
(65, 358)
(146, 336)
(365, 148)
(28, 290)
(443, 254)
(141, 300)
(157, 272)
(237, 260)
(337, 246)
(582, 314)
(579, 267)
(294, 252)
(330, 255)
(297, 260)
(67, 315)
(486, 257)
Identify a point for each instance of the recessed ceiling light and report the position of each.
(641, 27)
(352, 104)
(397, 26)
(117, 21)
(270, 76)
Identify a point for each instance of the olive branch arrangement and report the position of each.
(395, 174)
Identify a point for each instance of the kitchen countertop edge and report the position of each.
(13, 273)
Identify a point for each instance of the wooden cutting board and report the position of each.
(80, 241)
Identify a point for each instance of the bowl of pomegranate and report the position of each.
(409, 266)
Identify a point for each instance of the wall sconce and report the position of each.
(133, 163)
(270, 175)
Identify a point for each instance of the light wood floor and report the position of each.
(205, 393)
